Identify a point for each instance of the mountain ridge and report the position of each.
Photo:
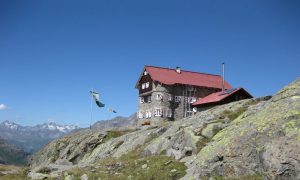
(32, 138)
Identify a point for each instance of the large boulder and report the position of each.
(264, 142)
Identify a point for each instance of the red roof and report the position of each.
(218, 96)
(171, 77)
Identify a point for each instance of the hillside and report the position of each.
(248, 139)
(10, 154)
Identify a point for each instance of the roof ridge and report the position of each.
(183, 70)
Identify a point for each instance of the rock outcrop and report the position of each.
(249, 138)
(264, 140)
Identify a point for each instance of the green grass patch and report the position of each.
(232, 115)
(163, 152)
(19, 174)
(157, 167)
(248, 177)
(201, 144)
(115, 134)
(130, 166)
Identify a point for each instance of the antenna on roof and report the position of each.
(223, 77)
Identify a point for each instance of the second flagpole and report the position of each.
(91, 108)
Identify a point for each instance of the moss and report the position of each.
(232, 115)
(163, 152)
(201, 144)
(114, 134)
(291, 126)
(119, 144)
(44, 170)
(265, 122)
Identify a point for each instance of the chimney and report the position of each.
(223, 77)
(178, 70)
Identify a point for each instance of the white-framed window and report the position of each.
(158, 112)
(145, 73)
(169, 113)
(159, 96)
(192, 99)
(189, 113)
(143, 86)
(177, 98)
(142, 100)
(147, 84)
(148, 114)
(149, 99)
(140, 115)
(170, 98)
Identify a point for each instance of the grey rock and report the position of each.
(69, 177)
(34, 175)
(212, 129)
(144, 166)
(173, 171)
(84, 177)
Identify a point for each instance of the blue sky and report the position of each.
(53, 52)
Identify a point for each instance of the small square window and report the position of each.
(148, 114)
(169, 113)
(159, 96)
(140, 115)
(192, 99)
(142, 100)
(177, 98)
(189, 113)
(170, 97)
(149, 99)
(158, 112)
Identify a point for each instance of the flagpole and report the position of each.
(91, 108)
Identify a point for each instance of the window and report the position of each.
(147, 84)
(140, 115)
(142, 100)
(143, 86)
(159, 97)
(177, 98)
(149, 99)
(192, 99)
(169, 113)
(189, 113)
(158, 112)
(145, 73)
(170, 97)
(148, 114)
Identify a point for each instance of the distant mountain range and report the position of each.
(32, 138)
(116, 122)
